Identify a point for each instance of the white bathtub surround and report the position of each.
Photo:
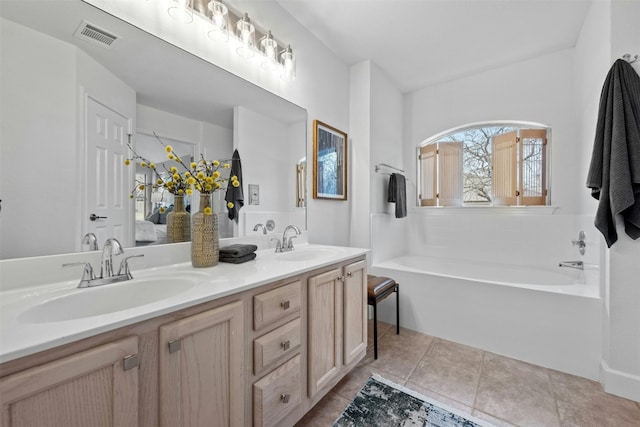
(492, 281)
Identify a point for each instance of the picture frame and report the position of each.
(329, 162)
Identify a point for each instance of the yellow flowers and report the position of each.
(230, 205)
(234, 181)
(127, 162)
(168, 149)
(207, 210)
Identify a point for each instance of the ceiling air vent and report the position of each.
(95, 35)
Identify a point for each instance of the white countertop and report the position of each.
(21, 337)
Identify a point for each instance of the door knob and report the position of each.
(93, 217)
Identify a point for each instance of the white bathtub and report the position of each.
(548, 316)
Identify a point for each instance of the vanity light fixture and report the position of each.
(269, 48)
(219, 21)
(288, 61)
(246, 33)
(222, 23)
(181, 10)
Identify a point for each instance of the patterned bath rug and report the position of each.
(385, 404)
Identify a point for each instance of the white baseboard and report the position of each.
(619, 383)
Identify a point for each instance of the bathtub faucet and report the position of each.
(572, 264)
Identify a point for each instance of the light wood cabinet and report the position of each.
(337, 323)
(97, 387)
(201, 369)
(261, 357)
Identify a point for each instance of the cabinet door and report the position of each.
(202, 369)
(355, 312)
(325, 328)
(97, 387)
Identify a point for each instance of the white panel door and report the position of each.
(109, 181)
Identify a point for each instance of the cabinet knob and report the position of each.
(285, 345)
(349, 274)
(285, 398)
(284, 305)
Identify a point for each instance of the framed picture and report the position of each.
(329, 162)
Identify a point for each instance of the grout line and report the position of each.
(420, 358)
(475, 396)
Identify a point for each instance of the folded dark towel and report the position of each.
(237, 250)
(397, 194)
(238, 260)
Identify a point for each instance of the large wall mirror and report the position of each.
(61, 90)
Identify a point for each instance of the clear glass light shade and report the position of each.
(219, 21)
(288, 61)
(269, 48)
(246, 33)
(181, 10)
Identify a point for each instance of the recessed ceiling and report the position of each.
(418, 43)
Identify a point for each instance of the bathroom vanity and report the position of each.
(253, 344)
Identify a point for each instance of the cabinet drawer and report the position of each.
(276, 304)
(277, 394)
(276, 344)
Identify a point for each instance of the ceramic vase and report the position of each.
(205, 246)
(178, 222)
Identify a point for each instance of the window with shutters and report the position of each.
(485, 164)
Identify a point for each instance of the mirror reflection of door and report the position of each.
(108, 212)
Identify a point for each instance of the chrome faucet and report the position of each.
(257, 226)
(90, 240)
(572, 264)
(111, 247)
(580, 243)
(287, 245)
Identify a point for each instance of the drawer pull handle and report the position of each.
(284, 305)
(285, 345)
(349, 274)
(285, 398)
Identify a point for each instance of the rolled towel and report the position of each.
(238, 260)
(237, 250)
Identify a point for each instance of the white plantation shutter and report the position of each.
(428, 175)
(504, 177)
(450, 168)
(533, 160)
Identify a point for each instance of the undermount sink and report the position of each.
(307, 254)
(95, 301)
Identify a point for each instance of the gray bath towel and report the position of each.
(614, 173)
(397, 193)
(235, 194)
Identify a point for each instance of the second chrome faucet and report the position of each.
(286, 245)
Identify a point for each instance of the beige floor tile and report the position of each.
(325, 412)
(454, 352)
(455, 377)
(383, 328)
(459, 406)
(497, 422)
(399, 354)
(572, 415)
(516, 404)
(516, 372)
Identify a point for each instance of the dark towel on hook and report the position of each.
(614, 173)
(397, 194)
(235, 194)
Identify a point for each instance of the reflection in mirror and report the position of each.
(69, 107)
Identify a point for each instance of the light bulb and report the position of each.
(269, 48)
(246, 33)
(219, 21)
(288, 61)
(181, 10)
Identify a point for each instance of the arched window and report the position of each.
(493, 164)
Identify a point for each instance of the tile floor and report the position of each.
(494, 388)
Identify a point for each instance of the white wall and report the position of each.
(46, 107)
(38, 107)
(621, 361)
